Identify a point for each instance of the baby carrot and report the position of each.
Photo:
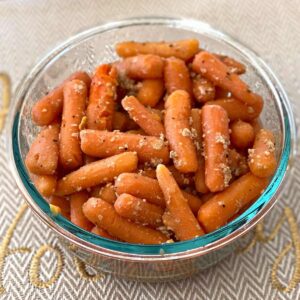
(101, 106)
(262, 159)
(106, 193)
(63, 204)
(99, 231)
(45, 184)
(150, 91)
(178, 133)
(148, 172)
(143, 117)
(104, 144)
(104, 216)
(216, 141)
(200, 173)
(176, 75)
(70, 155)
(47, 109)
(142, 67)
(237, 163)
(242, 134)
(183, 49)
(182, 179)
(203, 89)
(218, 73)
(233, 65)
(42, 156)
(148, 188)
(177, 205)
(98, 172)
(220, 208)
(139, 210)
(236, 109)
(77, 216)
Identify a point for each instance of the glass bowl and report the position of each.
(85, 51)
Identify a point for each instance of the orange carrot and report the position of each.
(262, 159)
(104, 216)
(216, 140)
(106, 193)
(104, 144)
(182, 179)
(77, 216)
(242, 134)
(70, 155)
(233, 65)
(45, 184)
(100, 110)
(98, 172)
(142, 67)
(99, 231)
(178, 206)
(139, 210)
(221, 93)
(176, 75)
(178, 133)
(148, 188)
(219, 74)
(143, 117)
(220, 208)
(48, 108)
(150, 91)
(200, 173)
(42, 156)
(120, 121)
(203, 89)
(183, 49)
(63, 204)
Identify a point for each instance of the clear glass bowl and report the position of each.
(94, 46)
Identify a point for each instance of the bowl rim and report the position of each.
(229, 232)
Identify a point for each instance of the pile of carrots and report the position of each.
(163, 145)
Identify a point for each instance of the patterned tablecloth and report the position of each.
(32, 262)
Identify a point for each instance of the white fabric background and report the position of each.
(28, 29)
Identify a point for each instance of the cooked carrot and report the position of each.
(177, 205)
(142, 116)
(45, 184)
(101, 106)
(221, 93)
(42, 156)
(120, 121)
(62, 203)
(184, 49)
(48, 108)
(150, 91)
(139, 210)
(104, 144)
(148, 172)
(176, 75)
(136, 131)
(108, 193)
(88, 159)
(237, 163)
(242, 134)
(178, 133)
(235, 109)
(220, 208)
(233, 65)
(70, 154)
(141, 67)
(262, 159)
(206, 197)
(77, 216)
(104, 216)
(200, 173)
(99, 231)
(148, 188)
(216, 141)
(98, 172)
(219, 74)
(182, 179)
(203, 89)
